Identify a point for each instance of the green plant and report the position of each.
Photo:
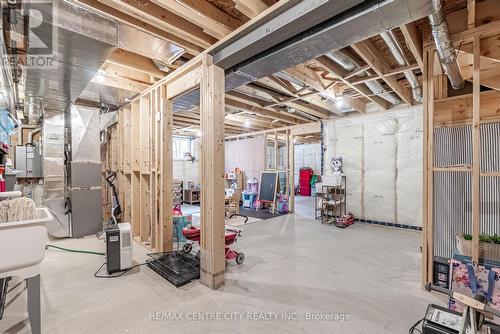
(484, 238)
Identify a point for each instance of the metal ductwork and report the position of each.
(447, 54)
(349, 63)
(396, 50)
(84, 41)
(303, 30)
(6, 78)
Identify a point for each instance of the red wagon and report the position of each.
(193, 234)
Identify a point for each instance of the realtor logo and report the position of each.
(30, 33)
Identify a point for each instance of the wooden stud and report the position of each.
(476, 151)
(166, 218)
(276, 153)
(291, 167)
(212, 271)
(428, 189)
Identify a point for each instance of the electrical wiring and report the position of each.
(414, 327)
(120, 274)
(74, 250)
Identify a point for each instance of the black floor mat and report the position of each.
(176, 267)
(259, 214)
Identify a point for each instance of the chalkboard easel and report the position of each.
(267, 188)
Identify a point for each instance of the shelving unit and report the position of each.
(333, 201)
(192, 196)
(236, 182)
(177, 192)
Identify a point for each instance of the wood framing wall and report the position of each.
(468, 111)
(136, 151)
(139, 149)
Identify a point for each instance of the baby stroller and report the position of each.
(193, 234)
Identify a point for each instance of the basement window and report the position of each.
(181, 146)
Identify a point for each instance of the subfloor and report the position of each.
(294, 266)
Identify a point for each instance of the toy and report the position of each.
(177, 211)
(249, 198)
(345, 221)
(337, 164)
(193, 234)
(282, 203)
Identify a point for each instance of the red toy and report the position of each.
(345, 221)
(193, 234)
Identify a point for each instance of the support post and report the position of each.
(166, 164)
(276, 153)
(428, 188)
(476, 149)
(291, 164)
(212, 272)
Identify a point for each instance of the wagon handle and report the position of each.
(242, 216)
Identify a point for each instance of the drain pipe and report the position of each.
(349, 63)
(444, 47)
(397, 52)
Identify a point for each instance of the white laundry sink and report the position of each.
(22, 245)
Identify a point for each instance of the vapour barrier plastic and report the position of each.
(409, 169)
(382, 159)
(247, 155)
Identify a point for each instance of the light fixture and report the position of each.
(339, 102)
(100, 75)
(247, 122)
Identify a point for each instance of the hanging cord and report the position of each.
(414, 327)
(120, 274)
(74, 250)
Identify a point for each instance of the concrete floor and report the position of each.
(293, 264)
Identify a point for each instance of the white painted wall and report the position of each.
(247, 155)
(382, 155)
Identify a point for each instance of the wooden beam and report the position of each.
(209, 26)
(340, 73)
(471, 14)
(413, 42)
(372, 57)
(213, 264)
(178, 26)
(120, 83)
(266, 112)
(206, 8)
(110, 11)
(250, 8)
(490, 49)
(458, 109)
(135, 62)
(184, 84)
(490, 70)
(304, 129)
(476, 151)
